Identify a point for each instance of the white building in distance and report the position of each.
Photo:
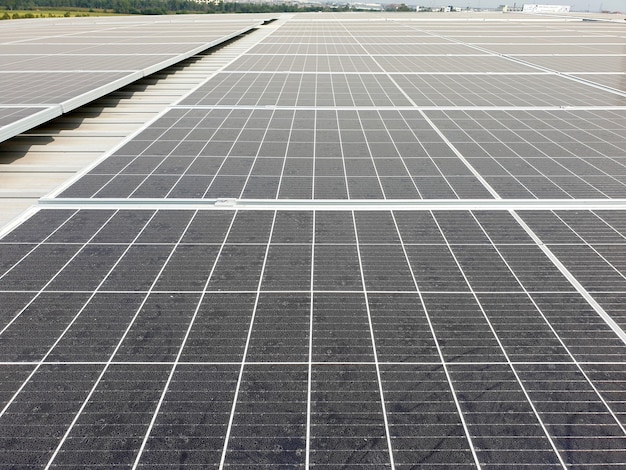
(534, 8)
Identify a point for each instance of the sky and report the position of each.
(609, 5)
(577, 5)
(584, 5)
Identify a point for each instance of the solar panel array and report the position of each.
(49, 67)
(300, 265)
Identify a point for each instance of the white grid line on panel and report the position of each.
(121, 340)
(608, 143)
(182, 345)
(496, 196)
(410, 107)
(282, 170)
(52, 278)
(336, 204)
(306, 363)
(310, 346)
(321, 291)
(373, 340)
(475, 172)
(247, 346)
(406, 168)
(332, 88)
(512, 58)
(343, 161)
(369, 150)
(347, 72)
(502, 348)
(382, 188)
(147, 125)
(156, 168)
(121, 244)
(592, 248)
(43, 359)
(588, 163)
(545, 249)
(256, 157)
(37, 245)
(430, 157)
(550, 158)
(571, 278)
(442, 359)
(551, 327)
(567, 55)
(579, 177)
(600, 219)
(28, 106)
(291, 54)
(315, 157)
(53, 194)
(121, 171)
(31, 72)
(217, 172)
(330, 74)
(261, 34)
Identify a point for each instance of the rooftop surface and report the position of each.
(365, 241)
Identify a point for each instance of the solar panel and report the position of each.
(327, 257)
(284, 154)
(50, 66)
(503, 90)
(12, 118)
(376, 311)
(543, 154)
(52, 87)
(583, 63)
(616, 81)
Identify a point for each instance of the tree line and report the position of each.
(158, 7)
